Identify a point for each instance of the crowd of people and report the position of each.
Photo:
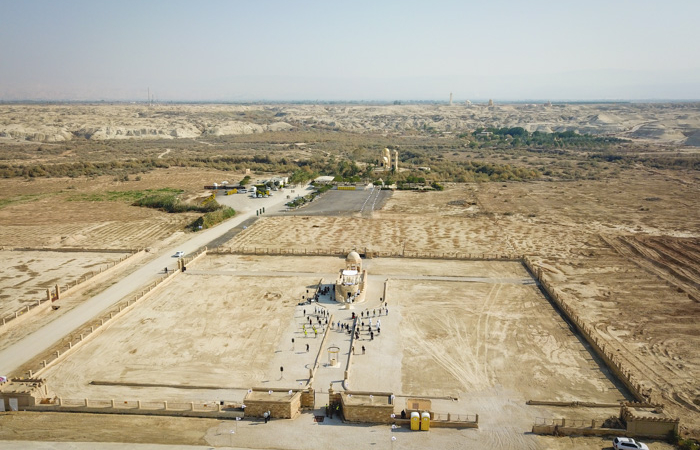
(365, 325)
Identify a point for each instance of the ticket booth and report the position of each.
(425, 421)
(415, 421)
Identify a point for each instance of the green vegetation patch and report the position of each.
(212, 218)
(123, 196)
(170, 203)
(21, 199)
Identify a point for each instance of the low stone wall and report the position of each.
(321, 349)
(615, 363)
(346, 374)
(442, 423)
(558, 430)
(150, 408)
(70, 249)
(21, 315)
(453, 424)
(58, 353)
(643, 425)
(369, 253)
(42, 305)
(575, 404)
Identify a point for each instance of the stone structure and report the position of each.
(26, 392)
(645, 421)
(389, 161)
(385, 161)
(418, 405)
(350, 287)
(280, 403)
(367, 407)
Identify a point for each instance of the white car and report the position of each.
(179, 254)
(621, 443)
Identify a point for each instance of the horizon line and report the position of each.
(394, 102)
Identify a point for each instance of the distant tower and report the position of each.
(468, 103)
(450, 98)
(490, 103)
(548, 104)
(396, 161)
(385, 162)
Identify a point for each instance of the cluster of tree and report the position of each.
(520, 137)
(82, 168)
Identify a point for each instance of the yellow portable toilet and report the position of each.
(415, 421)
(425, 421)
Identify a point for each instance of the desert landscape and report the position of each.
(614, 230)
(670, 124)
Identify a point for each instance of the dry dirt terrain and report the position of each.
(624, 252)
(94, 213)
(476, 337)
(661, 123)
(199, 330)
(87, 431)
(27, 274)
(619, 243)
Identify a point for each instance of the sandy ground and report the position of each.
(86, 431)
(624, 252)
(26, 275)
(199, 330)
(455, 341)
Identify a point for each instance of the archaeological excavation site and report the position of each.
(309, 283)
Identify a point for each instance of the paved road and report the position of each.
(345, 203)
(38, 342)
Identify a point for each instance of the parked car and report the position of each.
(621, 443)
(179, 254)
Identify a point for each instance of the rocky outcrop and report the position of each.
(673, 124)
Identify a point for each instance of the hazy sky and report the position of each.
(349, 50)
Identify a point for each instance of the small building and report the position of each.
(281, 404)
(351, 282)
(25, 392)
(367, 407)
(324, 180)
(646, 421)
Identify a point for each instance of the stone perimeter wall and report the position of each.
(615, 363)
(100, 324)
(43, 305)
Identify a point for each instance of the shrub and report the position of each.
(171, 204)
(210, 219)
